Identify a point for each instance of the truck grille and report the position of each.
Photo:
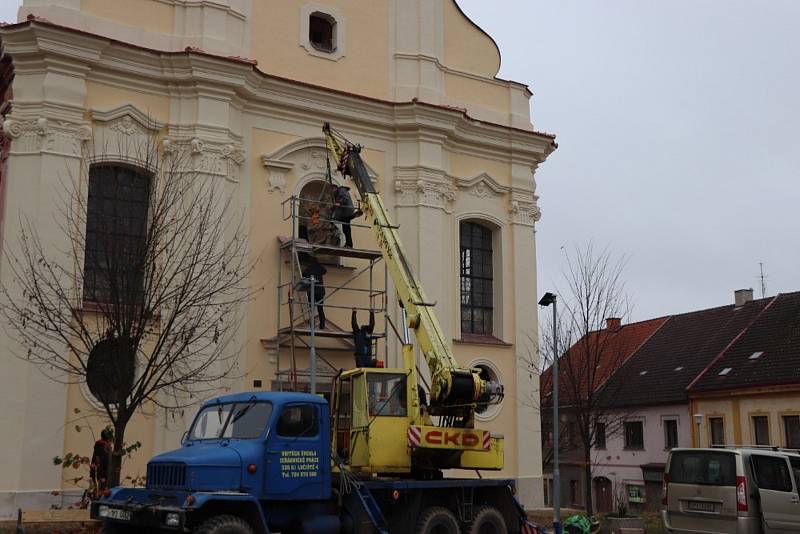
(166, 475)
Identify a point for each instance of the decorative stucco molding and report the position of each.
(423, 187)
(307, 156)
(32, 136)
(212, 157)
(524, 211)
(127, 120)
(276, 169)
(482, 186)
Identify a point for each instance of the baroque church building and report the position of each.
(244, 86)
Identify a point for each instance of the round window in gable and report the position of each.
(488, 372)
(322, 31)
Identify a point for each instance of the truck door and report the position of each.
(778, 493)
(298, 466)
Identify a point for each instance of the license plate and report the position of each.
(698, 506)
(116, 513)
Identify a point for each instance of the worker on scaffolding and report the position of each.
(362, 339)
(314, 269)
(344, 212)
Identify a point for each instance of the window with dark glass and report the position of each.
(116, 228)
(670, 433)
(634, 435)
(791, 426)
(761, 429)
(772, 473)
(321, 31)
(717, 427)
(600, 435)
(298, 421)
(476, 279)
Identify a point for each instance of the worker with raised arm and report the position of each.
(362, 339)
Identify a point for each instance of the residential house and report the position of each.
(583, 370)
(649, 397)
(243, 89)
(750, 392)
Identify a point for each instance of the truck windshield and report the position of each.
(240, 420)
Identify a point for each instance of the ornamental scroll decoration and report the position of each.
(217, 158)
(524, 210)
(32, 136)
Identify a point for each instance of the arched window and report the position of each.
(322, 31)
(116, 228)
(476, 274)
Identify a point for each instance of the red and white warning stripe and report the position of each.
(487, 440)
(414, 436)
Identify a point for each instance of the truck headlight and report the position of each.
(103, 511)
(172, 520)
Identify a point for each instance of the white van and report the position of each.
(742, 490)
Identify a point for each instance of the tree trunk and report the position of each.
(587, 475)
(117, 453)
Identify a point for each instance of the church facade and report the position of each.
(246, 85)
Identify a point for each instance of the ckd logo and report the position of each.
(458, 439)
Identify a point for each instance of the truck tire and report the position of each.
(224, 524)
(487, 520)
(437, 520)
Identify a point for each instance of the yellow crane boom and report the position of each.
(455, 391)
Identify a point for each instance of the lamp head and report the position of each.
(547, 299)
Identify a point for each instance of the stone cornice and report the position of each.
(268, 94)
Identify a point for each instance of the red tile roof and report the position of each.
(594, 358)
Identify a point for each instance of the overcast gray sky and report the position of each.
(677, 127)
(677, 124)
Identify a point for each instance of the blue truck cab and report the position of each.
(243, 454)
(261, 462)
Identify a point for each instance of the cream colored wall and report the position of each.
(151, 14)
(738, 409)
(466, 48)
(364, 69)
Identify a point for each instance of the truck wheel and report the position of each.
(437, 520)
(224, 524)
(487, 520)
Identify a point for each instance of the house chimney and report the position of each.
(742, 296)
(613, 323)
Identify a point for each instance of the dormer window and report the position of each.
(322, 31)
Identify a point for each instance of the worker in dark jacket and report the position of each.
(314, 269)
(344, 212)
(362, 338)
(101, 456)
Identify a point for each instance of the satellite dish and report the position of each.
(110, 370)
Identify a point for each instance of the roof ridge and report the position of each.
(731, 342)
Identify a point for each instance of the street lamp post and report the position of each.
(548, 299)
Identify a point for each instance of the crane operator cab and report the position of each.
(380, 425)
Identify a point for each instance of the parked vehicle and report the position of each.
(737, 490)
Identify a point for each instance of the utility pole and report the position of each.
(312, 349)
(548, 299)
(763, 280)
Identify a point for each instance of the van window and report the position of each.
(703, 467)
(772, 473)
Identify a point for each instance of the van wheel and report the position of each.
(224, 524)
(487, 520)
(437, 520)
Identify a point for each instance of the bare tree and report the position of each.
(591, 349)
(142, 297)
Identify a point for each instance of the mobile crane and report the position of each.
(371, 461)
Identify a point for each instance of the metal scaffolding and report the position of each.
(297, 313)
